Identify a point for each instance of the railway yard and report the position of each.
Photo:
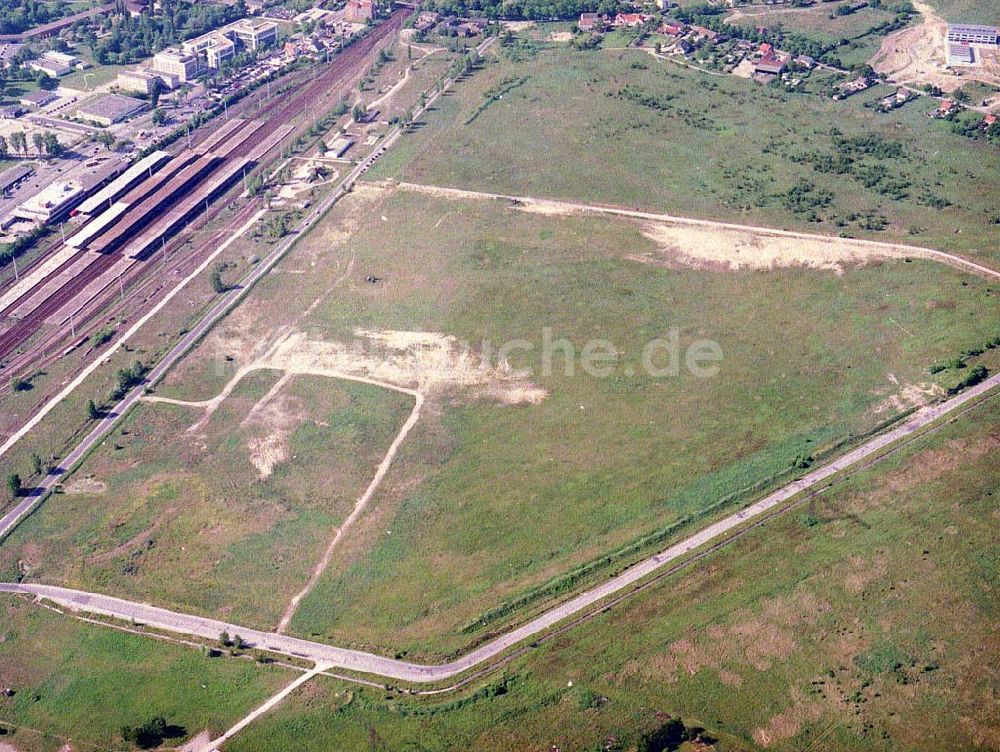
(137, 227)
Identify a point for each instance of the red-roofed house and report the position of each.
(592, 22)
(629, 20)
(766, 49)
(771, 65)
(671, 29)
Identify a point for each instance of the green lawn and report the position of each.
(486, 501)
(865, 620)
(617, 126)
(967, 11)
(81, 683)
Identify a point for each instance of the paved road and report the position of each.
(392, 669)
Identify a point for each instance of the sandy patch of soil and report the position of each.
(561, 36)
(272, 420)
(517, 26)
(916, 55)
(719, 248)
(88, 485)
(306, 175)
(909, 395)
(423, 361)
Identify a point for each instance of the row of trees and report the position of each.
(44, 142)
(517, 10)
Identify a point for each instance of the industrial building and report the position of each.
(973, 34)
(254, 34)
(52, 203)
(217, 47)
(110, 109)
(184, 66)
(143, 81)
(10, 177)
(37, 98)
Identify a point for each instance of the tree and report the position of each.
(4, 148)
(218, 285)
(159, 117)
(45, 81)
(19, 142)
(51, 145)
(19, 384)
(359, 113)
(224, 639)
(105, 138)
(156, 89)
(14, 485)
(39, 141)
(36, 463)
(238, 643)
(92, 411)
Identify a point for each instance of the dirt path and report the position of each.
(712, 242)
(402, 82)
(359, 506)
(266, 707)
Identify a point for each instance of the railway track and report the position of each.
(312, 98)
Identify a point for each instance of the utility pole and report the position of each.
(72, 326)
(121, 287)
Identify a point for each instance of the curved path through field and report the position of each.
(559, 207)
(393, 669)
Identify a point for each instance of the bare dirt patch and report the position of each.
(909, 395)
(424, 361)
(272, 421)
(716, 248)
(788, 722)
(85, 485)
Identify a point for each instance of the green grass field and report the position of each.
(967, 11)
(818, 22)
(202, 505)
(862, 621)
(512, 497)
(485, 501)
(616, 126)
(81, 683)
